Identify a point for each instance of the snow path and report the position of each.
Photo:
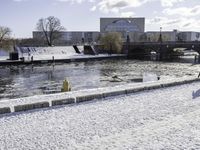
(166, 118)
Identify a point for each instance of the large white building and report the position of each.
(122, 25)
(188, 36)
(153, 36)
(72, 37)
(132, 27)
(175, 35)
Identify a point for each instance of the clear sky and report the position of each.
(83, 15)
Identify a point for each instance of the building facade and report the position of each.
(175, 35)
(122, 25)
(153, 36)
(72, 37)
(188, 36)
(131, 27)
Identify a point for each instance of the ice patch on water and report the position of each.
(148, 77)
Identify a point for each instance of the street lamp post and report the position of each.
(127, 41)
(160, 40)
(110, 48)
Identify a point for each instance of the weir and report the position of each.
(89, 50)
(47, 52)
(76, 49)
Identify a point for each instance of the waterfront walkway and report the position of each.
(167, 118)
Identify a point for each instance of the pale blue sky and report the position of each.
(83, 15)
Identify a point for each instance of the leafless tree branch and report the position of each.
(50, 27)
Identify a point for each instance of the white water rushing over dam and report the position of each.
(43, 53)
(46, 53)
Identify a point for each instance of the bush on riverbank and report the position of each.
(112, 42)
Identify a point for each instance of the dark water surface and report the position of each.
(21, 81)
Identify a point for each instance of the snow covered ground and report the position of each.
(47, 53)
(58, 52)
(103, 91)
(4, 55)
(160, 119)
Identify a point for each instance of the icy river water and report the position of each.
(21, 81)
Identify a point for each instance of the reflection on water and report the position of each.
(20, 81)
(17, 81)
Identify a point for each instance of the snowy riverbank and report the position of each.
(41, 101)
(165, 118)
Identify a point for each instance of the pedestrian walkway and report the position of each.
(167, 118)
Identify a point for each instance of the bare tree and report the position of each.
(51, 28)
(4, 34)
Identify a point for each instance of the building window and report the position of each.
(122, 26)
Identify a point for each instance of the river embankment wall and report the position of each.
(76, 97)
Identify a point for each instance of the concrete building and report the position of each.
(122, 25)
(126, 26)
(153, 36)
(72, 37)
(188, 36)
(132, 27)
(175, 35)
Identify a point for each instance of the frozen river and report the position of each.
(166, 118)
(21, 81)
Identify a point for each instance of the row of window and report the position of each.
(122, 25)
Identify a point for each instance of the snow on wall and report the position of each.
(58, 52)
(91, 94)
(3, 53)
(159, 119)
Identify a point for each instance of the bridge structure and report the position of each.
(163, 50)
